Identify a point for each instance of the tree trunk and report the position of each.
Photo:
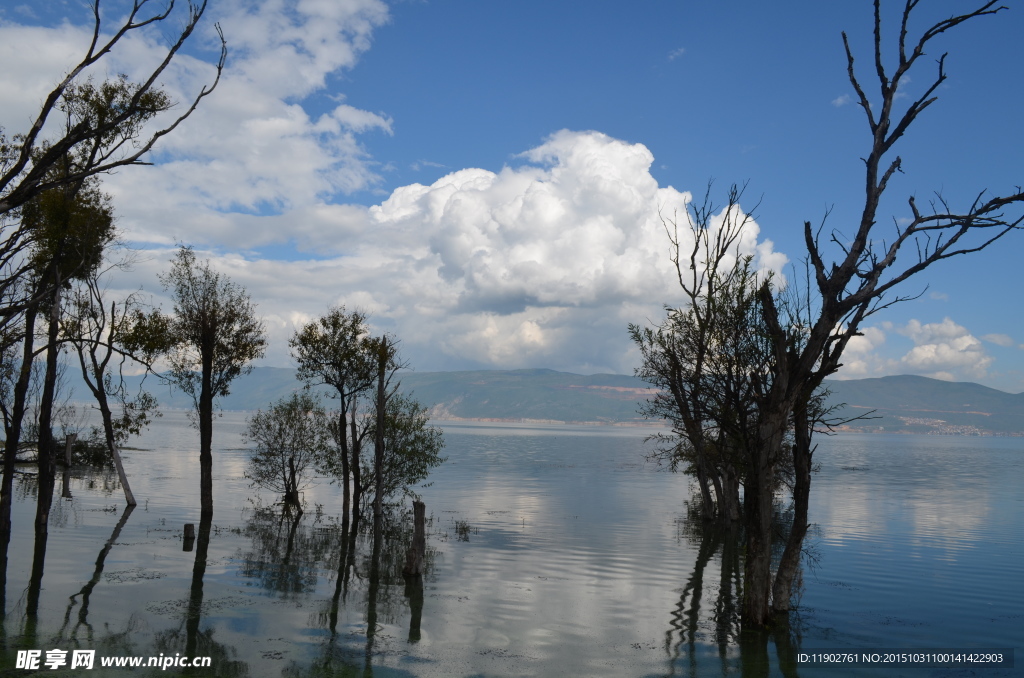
(378, 443)
(69, 443)
(414, 556)
(47, 475)
(108, 431)
(346, 500)
(789, 565)
(14, 425)
(757, 574)
(206, 437)
(357, 489)
(195, 598)
(758, 513)
(707, 503)
(730, 508)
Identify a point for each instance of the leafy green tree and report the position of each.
(103, 130)
(332, 351)
(412, 448)
(217, 335)
(288, 440)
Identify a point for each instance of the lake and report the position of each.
(552, 551)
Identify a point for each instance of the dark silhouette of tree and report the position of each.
(855, 286)
(217, 335)
(71, 225)
(786, 343)
(705, 356)
(101, 137)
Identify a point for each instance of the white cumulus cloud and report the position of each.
(944, 350)
(543, 264)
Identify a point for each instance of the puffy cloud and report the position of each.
(538, 265)
(944, 351)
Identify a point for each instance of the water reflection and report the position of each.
(200, 642)
(86, 591)
(577, 564)
(697, 624)
(289, 552)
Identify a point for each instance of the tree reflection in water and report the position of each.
(743, 653)
(287, 556)
(86, 591)
(200, 643)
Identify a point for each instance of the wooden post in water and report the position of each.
(190, 537)
(414, 556)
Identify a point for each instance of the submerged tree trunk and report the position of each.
(206, 437)
(378, 443)
(14, 424)
(342, 424)
(111, 440)
(789, 565)
(730, 508)
(291, 493)
(47, 475)
(757, 505)
(194, 610)
(707, 502)
(357, 488)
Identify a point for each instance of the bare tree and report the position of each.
(850, 289)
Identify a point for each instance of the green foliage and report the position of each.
(288, 439)
(136, 410)
(215, 329)
(411, 447)
(69, 230)
(117, 109)
(331, 350)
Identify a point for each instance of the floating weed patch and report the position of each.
(138, 574)
(176, 607)
(463, 529)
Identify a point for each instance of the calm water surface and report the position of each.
(551, 551)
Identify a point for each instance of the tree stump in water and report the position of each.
(190, 537)
(414, 556)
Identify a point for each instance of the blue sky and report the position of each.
(485, 178)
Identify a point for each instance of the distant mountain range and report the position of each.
(900, 403)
